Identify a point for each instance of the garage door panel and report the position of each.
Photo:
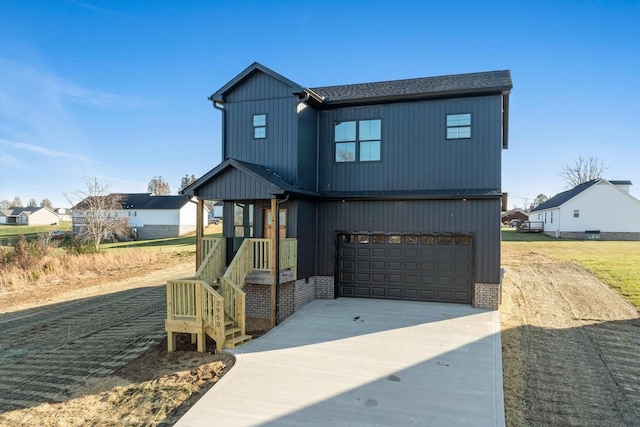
(362, 252)
(347, 252)
(378, 265)
(411, 267)
(362, 264)
(411, 294)
(395, 293)
(411, 279)
(378, 253)
(378, 278)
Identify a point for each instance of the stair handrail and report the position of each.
(213, 262)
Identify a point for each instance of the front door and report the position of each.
(268, 224)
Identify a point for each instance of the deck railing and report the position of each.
(213, 260)
(192, 306)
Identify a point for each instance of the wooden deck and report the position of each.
(212, 302)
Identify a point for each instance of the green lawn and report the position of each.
(616, 263)
(10, 233)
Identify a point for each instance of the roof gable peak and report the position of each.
(220, 94)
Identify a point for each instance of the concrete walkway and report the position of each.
(362, 362)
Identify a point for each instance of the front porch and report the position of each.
(213, 302)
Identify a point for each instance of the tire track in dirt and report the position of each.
(578, 344)
(48, 355)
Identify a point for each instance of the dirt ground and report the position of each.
(92, 352)
(571, 346)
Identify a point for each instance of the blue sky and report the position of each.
(118, 89)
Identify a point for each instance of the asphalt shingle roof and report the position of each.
(419, 87)
(147, 201)
(563, 197)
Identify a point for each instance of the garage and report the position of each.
(418, 267)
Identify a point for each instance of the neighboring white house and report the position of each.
(64, 214)
(151, 216)
(28, 216)
(598, 209)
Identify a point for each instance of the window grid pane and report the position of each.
(260, 132)
(345, 152)
(345, 131)
(369, 151)
(370, 130)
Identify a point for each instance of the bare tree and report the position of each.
(159, 186)
(17, 202)
(540, 199)
(97, 214)
(5, 204)
(32, 203)
(186, 181)
(46, 203)
(583, 170)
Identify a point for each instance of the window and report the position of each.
(259, 126)
(243, 219)
(551, 217)
(576, 213)
(358, 140)
(458, 126)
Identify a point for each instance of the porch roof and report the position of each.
(237, 180)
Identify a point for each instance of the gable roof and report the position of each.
(563, 197)
(28, 211)
(269, 181)
(142, 201)
(425, 87)
(220, 94)
(416, 88)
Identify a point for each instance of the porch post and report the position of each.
(272, 261)
(199, 232)
(274, 232)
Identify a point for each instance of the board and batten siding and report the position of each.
(415, 154)
(280, 151)
(480, 217)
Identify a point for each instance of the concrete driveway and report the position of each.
(362, 362)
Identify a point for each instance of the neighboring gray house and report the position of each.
(392, 189)
(29, 216)
(598, 209)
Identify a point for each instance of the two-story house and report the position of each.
(388, 189)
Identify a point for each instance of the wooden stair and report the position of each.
(233, 335)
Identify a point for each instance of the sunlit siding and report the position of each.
(307, 147)
(481, 217)
(261, 94)
(415, 154)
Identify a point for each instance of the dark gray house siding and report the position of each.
(480, 217)
(423, 184)
(415, 153)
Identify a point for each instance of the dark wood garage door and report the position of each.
(408, 267)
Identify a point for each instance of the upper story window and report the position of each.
(259, 126)
(458, 126)
(358, 140)
(576, 213)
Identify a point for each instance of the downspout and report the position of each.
(276, 226)
(223, 126)
(315, 258)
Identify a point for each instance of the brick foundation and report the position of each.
(292, 296)
(488, 295)
(605, 235)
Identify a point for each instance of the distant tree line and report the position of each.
(17, 203)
